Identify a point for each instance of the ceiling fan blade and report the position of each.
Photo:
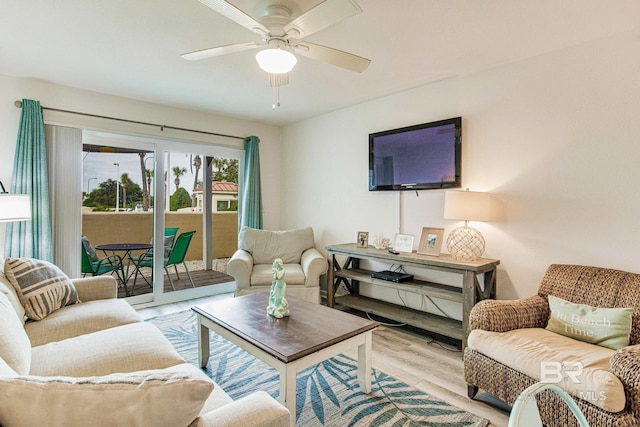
(217, 51)
(324, 15)
(236, 15)
(332, 56)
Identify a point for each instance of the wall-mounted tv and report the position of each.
(420, 157)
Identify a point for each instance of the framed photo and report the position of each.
(403, 243)
(431, 241)
(363, 239)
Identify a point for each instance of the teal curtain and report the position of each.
(31, 238)
(252, 192)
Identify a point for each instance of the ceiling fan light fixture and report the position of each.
(276, 60)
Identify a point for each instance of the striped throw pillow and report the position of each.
(41, 286)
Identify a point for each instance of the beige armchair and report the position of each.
(509, 349)
(251, 264)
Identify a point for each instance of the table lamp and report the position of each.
(466, 243)
(14, 207)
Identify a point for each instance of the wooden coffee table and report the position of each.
(311, 334)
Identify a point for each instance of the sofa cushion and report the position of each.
(15, 348)
(608, 327)
(93, 288)
(577, 367)
(255, 409)
(5, 370)
(262, 275)
(41, 286)
(7, 288)
(266, 246)
(216, 399)
(72, 321)
(133, 347)
(169, 397)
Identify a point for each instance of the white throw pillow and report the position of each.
(7, 288)
(167, 397)
(15, 347)
(41, 286)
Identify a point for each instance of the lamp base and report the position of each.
(465, 243)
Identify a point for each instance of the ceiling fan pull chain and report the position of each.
(277, 80)
(276, 97)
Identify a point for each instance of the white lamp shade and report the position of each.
(468, 206)
(15, 207)
(276, 61)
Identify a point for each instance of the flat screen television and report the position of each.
(420, 157)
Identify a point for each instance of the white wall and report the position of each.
(55, 96)
(555, 137)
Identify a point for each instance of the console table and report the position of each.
(352, 275)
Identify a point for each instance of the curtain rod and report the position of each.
(162, 127)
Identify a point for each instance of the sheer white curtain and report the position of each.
(64, 148)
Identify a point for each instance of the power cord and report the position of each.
(444, 313)
(400, 296)
(393, 325)
(448, 347)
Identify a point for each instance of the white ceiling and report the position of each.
(131, 48)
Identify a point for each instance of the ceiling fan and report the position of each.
(281, 36)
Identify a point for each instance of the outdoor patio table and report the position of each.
(127, 248)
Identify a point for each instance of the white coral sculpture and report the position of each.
(381, 242)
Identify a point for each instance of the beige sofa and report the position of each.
(251, 264)
(97, 363)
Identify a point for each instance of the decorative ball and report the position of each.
(465, 243)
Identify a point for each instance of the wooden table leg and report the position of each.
(364, 363)
(331, 291)
(288, 375)
(469, 300)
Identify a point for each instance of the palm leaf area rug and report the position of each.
(328, 394)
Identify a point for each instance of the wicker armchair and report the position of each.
(594, 286)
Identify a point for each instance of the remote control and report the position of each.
(391, 251)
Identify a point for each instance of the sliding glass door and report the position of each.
(165, 212)
(117, 210)
(200, 219)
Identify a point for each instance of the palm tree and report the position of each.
(197, 162)
(178, 172)
(226, 170)
(149, 176)
(145, 189)
(124, 182)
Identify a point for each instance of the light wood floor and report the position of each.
(406, 355)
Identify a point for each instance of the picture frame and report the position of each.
(362, 241)
(431, 241)
(403, 243)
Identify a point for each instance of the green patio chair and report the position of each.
(176, 256)
(170, 231)
(169, 240)
(91, 264)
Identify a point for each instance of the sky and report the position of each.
(101, 166)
